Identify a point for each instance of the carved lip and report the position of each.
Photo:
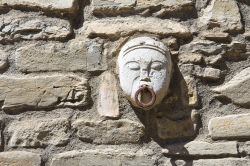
(142, 90)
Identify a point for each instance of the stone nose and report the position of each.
(144, 76)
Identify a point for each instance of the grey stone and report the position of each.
(190, 58)
(108, 103)
(3, 60)
(112, 7)
(212, 74)
(115, 28)
(222, 162)
(230, 127)
(109, 132)
(38, 132)
(62, 5)
(102, 157)
(245, 148)
(19, 158)
(224, 14)
(214, 60)
(237, 89)
(42, 91)
(16, 24)
(236, 51)
(202, 149)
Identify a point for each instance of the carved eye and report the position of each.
(133, 65)
(157, 66)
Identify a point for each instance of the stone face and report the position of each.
(38, 132)
(202, 149)
(109, 132)
(145, 68)
(106, 157)
(3, 60)
(115, 28)
(212, 74)
(237, 89)
(224, 14)
(222, 162)
(29, 26)
(19, 158)
(190, 58)
(65, 5)
(42, 91)
(108, 103)
(112, 7)
(230, 127)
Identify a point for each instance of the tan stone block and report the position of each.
(108, 104)
(222, 162)
(19, 158)
(230, 127)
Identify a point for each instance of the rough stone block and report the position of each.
(108, 103)
(190, 58)
(3, 60)
(224, 14)
(42, 91)
(62, 5)
(202, 149)
(112, 7)
(222, 162)
(230, 127)
(115, 28)
(19, 158)
(237, 89)
(109, 132)
(18, 25)
(212, 74)
(106, 157)
(38, 132)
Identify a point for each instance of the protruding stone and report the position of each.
(190, 58)
(201, 149)
(112, 7)
(193, 99)
(104, 157)
(230, 127)
(236, 51)
(109, 132)
(225, 161)
(18, 25)
(115, 28)
(237, 89)
(42, 92)
(108, 104)
(224, 14)
(214, 60)
(3, 60)
(216, 36)
(212, 74)
(19, 158)
(38, 132)
(52, 5)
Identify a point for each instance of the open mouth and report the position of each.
(145, 96)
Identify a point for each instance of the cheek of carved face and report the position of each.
(144, 67)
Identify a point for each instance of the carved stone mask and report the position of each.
(145, 69)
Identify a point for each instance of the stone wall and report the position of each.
(60, 100)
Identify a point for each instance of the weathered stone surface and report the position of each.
(205, 47)
(245, 149)
(224, 14)
(115, 28)
(42, 91)
(112, 7)
(190, 58)
(19, 158)
(3, 60)
(108, 104)
(17, 25)
(65, 5)
(214, 60)
(106, 157)
(236, 51)
(230, 127)
(212, 74)
(175, 129)
(237, 89)
(38, 132)
(222, 162)
(216, 36)
(193, 98)
(202, 149)
(109, 132)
